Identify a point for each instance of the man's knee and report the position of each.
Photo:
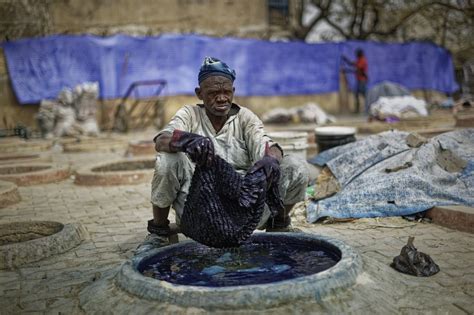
(295, 169)
(173, 173)
(170, 163)
(294, 179)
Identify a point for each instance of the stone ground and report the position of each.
(116, 216)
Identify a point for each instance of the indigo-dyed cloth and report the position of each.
(368, 190)
(223, 208)
(174, 171)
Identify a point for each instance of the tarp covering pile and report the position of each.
(386, 89)
(40, 68)
(308, 113)
(398, 107)
(382, 175)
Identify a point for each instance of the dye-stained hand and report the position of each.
(200, 149)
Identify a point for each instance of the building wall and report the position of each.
(27, 18)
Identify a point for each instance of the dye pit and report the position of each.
(8, 170)
(126, 166)
(257, 262)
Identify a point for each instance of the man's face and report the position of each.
(217, 94)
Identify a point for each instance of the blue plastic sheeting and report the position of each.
(367, 190)
(39, 68)
(415, 65)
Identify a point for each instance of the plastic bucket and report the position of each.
(295, 143)
(333, 136)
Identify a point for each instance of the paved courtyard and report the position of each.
(116, 216)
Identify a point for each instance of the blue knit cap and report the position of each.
(213, 66)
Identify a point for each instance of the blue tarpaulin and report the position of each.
(39, 68)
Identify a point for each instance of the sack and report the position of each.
(413, 262)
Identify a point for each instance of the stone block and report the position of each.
(455, 217)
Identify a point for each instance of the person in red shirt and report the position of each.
(361, 69)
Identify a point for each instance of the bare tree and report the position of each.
(392, 19)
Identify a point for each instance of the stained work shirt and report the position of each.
(241, 141)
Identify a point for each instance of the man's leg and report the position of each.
(357, 94)
(292, 186)
(170, 185)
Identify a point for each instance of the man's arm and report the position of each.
(181, 120)
(162, 142)
(276, 152)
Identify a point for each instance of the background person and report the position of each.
(360, 67)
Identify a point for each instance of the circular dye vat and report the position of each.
(126, 166)
(24, 242)
(120, 172)
(20, 169)
(16, 145)
(33, 174)
(271, 269)
(95, 145)
(258, 262)
(141, 148)
(14, 158)
(333, 136)
(8, 194)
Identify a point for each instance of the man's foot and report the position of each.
(286, 229)
(164, 230)
(280, 225)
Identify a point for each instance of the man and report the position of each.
(360, 68)
(231, 131)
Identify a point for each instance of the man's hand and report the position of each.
(200, 149)
(271, 168)
(270, 164)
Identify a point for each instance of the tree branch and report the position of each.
(407, 16)
(362, 19)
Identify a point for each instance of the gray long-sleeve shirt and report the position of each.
(241, 141)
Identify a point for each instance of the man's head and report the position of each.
(359, 53)
(216, 88)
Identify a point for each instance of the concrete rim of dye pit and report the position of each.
(55, 238)
(21, 145)
(8, 193)
(24, 157)
(91, 175)
(27, 174)
(143, 147)
(315, 286)
(95, 145)
(335, 131)
(288, 134)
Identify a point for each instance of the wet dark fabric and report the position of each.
(200, 149)
(413, 262)
(223, 208)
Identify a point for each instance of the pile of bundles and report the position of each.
(308, 113)
(398, 107)
(391, 101)
(72, 113)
